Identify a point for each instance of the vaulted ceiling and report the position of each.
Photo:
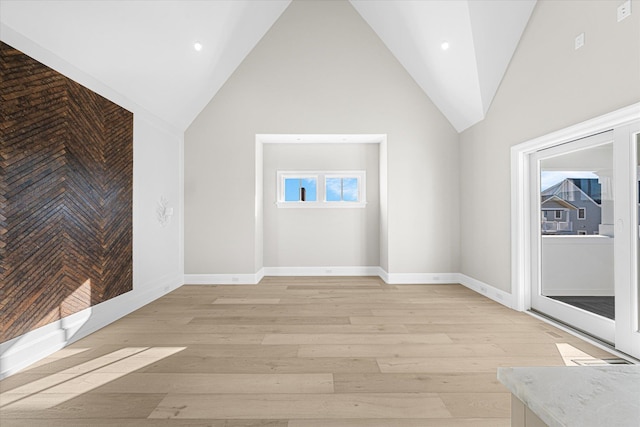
(145, 49)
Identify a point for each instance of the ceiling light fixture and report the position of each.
(444, 45)
(197, 46)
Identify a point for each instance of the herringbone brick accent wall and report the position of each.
(66, 175)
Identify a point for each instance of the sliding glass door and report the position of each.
(574, 236)
(584, 225)
(575, 227)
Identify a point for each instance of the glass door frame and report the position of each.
(590, 323)
(521, 265)
(627, 271)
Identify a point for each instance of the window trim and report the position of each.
(284, 175)
(557, 214)
(321, 182)
(584, 216)
(359, 175)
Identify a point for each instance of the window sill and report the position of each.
(321, 205)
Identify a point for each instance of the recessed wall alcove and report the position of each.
(271, 263)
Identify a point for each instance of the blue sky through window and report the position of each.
(350, 189)
(333, 190)
(292, 189)
(341, 189)
(322, 189)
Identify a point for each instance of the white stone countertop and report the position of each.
(580, 396)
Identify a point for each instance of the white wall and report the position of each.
(321, 70)
(157, 251)
(577, 265)
(548, 86)
(320, 237)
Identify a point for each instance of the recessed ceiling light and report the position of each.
(444, 45)
(197, 46)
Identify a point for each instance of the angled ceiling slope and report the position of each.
(482, 37)
(144, 49)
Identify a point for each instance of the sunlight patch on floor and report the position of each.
(57, 388)
(575, 357)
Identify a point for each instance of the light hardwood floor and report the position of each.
(296, 352)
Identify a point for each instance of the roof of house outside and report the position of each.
(572, 189)
(557, 201)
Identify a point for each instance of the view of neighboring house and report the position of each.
(571, 207)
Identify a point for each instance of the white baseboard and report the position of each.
(259, 275)
(384, 275)
(322, 271)
(419, 278)
(252, 279)
(224, 279)
(390, 278)
(489, 291)
(22, 351)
